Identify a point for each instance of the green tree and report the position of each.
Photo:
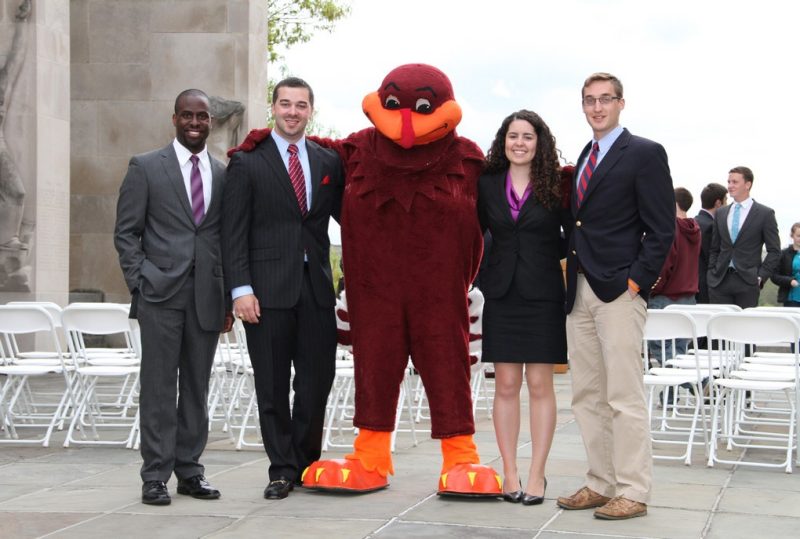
(294, 21)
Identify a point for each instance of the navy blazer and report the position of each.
(625, 226)
(265, 236)
(526, 251)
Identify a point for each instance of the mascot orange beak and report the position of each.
(408, 128)
(413, 106)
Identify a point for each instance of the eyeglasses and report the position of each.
(590, 100)
(187, 116)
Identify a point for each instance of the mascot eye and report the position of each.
(392, 103)
(423, 106)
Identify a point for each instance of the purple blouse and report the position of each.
(514, 202)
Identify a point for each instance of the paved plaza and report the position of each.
(92, 492)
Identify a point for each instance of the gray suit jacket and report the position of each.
(759, 229)
(159, 244)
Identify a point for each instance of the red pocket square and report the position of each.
(326, 180)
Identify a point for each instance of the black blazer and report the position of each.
(526, 251)
(759, 230)
(783, 275)
(625, 225)
(264, 235)
(706, 222)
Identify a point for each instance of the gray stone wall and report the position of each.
(37, 134)
(130, 58)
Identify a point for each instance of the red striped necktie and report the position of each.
(588, 170)
(298, 179)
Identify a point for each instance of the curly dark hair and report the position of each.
(545, 169)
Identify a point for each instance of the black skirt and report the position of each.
(519, 330)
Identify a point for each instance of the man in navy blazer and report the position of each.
(741, 230)
(624, 209)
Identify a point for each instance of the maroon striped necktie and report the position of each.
(588, 170)
(298, 179)
(196, 181)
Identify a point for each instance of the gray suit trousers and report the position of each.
(173, 437)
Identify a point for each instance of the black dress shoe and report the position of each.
(278, 489)
(197, 487)
(155, 493)
(516, 496)
(530, 499)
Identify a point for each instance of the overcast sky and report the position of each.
(714, 82)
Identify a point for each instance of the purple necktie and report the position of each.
(198, 204)
(298, 179)
(588, 170)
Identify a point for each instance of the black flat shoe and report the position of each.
(530, 499)
(197, 487)
(155, 493)
(278, 489)
(516, 496)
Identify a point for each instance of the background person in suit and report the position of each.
(276, 253)
(741, 230)
(624, 210)
(712, 197)
(167, 237)
(520, 203)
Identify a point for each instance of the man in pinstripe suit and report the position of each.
(276, 256)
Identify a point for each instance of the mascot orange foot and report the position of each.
(343, 475)
(471, 480)
(462, 473)
(367, 469)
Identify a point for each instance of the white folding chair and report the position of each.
(737, 394)
(668, 425)
(106, 386)
(338, 430)
(22, 407)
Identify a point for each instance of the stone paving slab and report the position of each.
(87, 492)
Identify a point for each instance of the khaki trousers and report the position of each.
(608, 399)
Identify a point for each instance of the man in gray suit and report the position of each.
(168, 239)
(741, 230)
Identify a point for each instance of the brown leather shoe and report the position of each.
(620, 508)
(585, 498)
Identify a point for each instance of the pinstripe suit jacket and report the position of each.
(264, 235)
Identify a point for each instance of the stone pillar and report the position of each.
(34, 149)
(130, 59)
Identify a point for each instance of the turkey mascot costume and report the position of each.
(411, 246)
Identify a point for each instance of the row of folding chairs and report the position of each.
(52, 380)
(233, 403)
(731, 393)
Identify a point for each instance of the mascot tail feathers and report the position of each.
(476, 301)
(343, 323)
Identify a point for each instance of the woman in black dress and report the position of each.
(523, 202)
